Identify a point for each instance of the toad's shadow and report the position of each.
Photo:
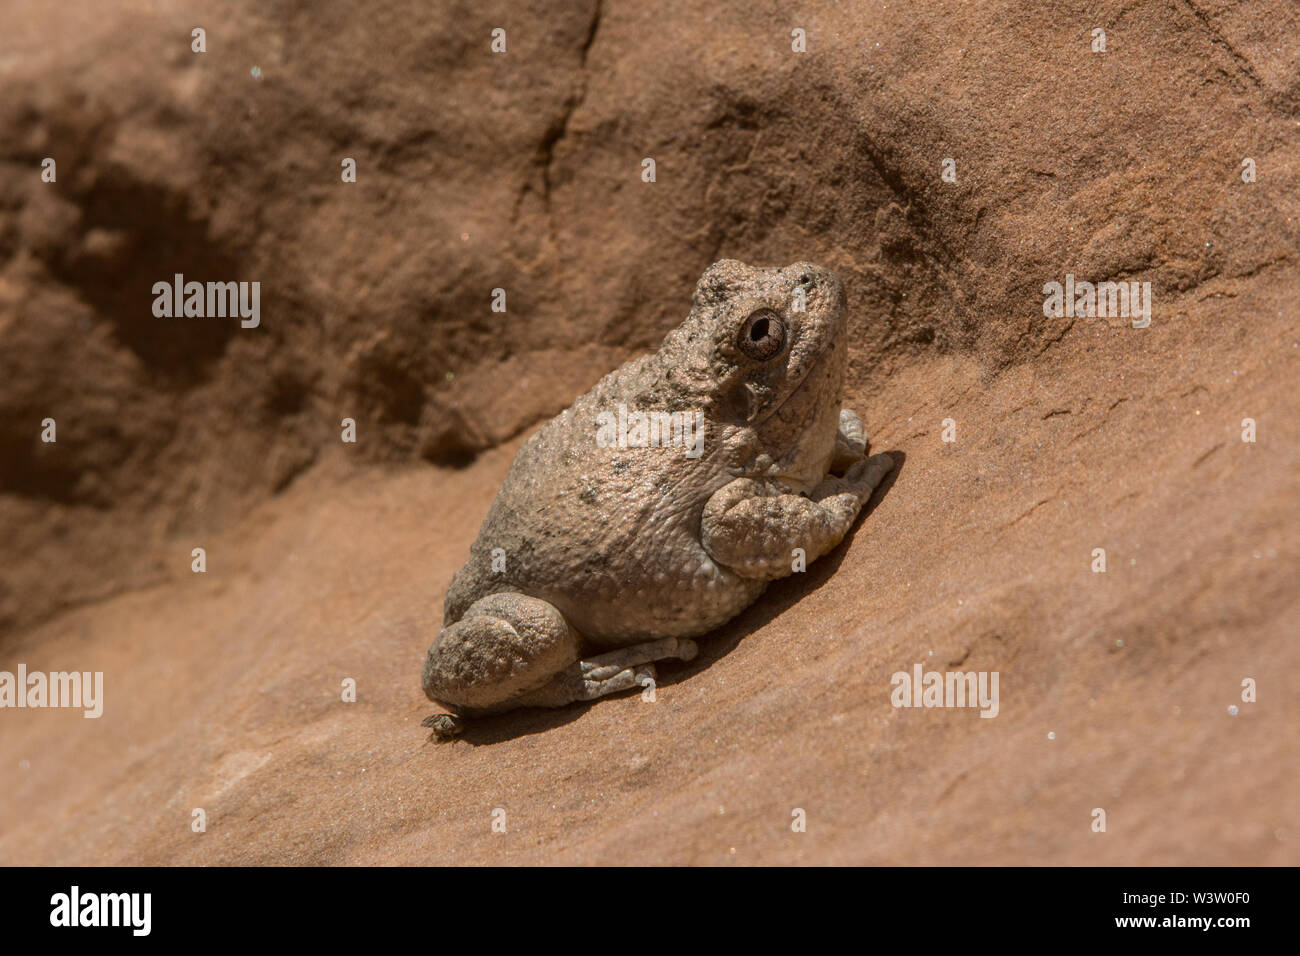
(779, 596)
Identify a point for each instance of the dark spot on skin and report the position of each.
(588, 496)
(620, 466)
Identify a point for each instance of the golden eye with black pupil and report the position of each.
(762, 336)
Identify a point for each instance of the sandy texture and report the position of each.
(475, 171)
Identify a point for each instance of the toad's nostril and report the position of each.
(805, 279)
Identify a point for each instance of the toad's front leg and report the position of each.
(751, 526)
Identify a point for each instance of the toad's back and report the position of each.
(610, 536)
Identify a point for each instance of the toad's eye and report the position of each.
(763, 335)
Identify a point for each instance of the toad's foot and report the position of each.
(618, 670)
(443, 726)
(574, 685)
(604, 666)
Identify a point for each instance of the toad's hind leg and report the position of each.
(603, 666)
(609, 673)
(572, 685)
(504, 646)
(510, 650)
